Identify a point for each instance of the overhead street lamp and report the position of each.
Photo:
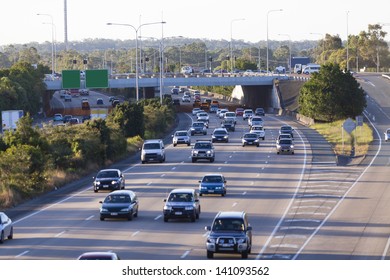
(270, 11)
(289, 49)
(231, 41)
(136, 29)
(52, 43)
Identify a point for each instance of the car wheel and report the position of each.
(130, 217)
(165, 219)
(136, 214)
(257, 145)
(11, 234)
(211, 160)
(263, 138)
(193, 218)
(200, 194)
(174, 145)
(277, 152)
(2, 237)
(95, 190)
(292, 153)
(188, 144)
(243, 145)
(143, 162)
(244, 255)
(210, 254)
(193, 160)
(101, 218)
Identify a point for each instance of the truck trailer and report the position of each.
(10, 118)
(298, 63)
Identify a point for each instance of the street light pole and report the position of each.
(52, 43)
(231, 42)
(347, 42)
(270, 11)
(136, 29)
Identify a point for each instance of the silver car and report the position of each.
(181, 137)
(6, 227)
(387, 134)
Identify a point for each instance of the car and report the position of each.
(153, 150)
(175, 90)
(220, 135)
(248, 113)
(259, 112)
(228, 124)
(230, 233)
(212, 184)
(73, 121)
(286, 129)
(119, 204)
(203, 149)
(222, 112)
(198, 128)
(283, 136)
(182, 204)
(84, 91)
(387, 134)
(259, 130)
(176, 101)
(68, 98)
(99, 101)
(67, 118)
(213, 108)
(181, 137)
(99, 256)
(202, 116)
(285, 146)
(206, 122)
(111, 98)
(115, 102)
(230, 114)
(6, 227)
(109, 179)
(195, 111)
(255, 121)
(57, 118)
(186, 98)
(250, 139)
(239, 112)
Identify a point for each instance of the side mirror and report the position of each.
(100, 201)
(165, 200)
(208, 228)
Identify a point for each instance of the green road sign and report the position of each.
(70, 79)
(96, 78)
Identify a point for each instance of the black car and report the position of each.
(182, 204)
(230, 233)
(109, 179)
(220, 135)
(119, 204)
(67, 118)
(250, 139)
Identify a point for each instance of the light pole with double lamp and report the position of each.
(136, 29)
(270, 11)
(52, 43)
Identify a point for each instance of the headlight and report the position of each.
(211, 240)
(194, 152)
(97, 183)
(209, 152)
(189, 208)
(168, 208)
(292, 146)
(103, 210)
(114, 182)
(225, 136)
(241, 240)
(126, 209)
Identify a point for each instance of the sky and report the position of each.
(245, 20)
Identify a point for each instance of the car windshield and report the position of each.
(198, 125)
(117, 199)
(212, 179)
(252, 135)
(182, 133)
(285, 141)
(286, 128)
(180, 197)
(228, 225)
(220, 132)
(107, 174)
(151, 146)
(202, 146)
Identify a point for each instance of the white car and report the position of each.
(255, 121)
(203, 116)
(230, 115)
(186, 98)
(259, 130)
(6, 227)
(222, 113)
(195, 111)
(248, 113)
(387, 134)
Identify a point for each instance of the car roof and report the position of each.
(121, 192)
(109, 169)
(152, 140)
(230, 214)
(183, 190)
(98, 254)
(213, 174)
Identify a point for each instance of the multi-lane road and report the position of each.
(301, 206)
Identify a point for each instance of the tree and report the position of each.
(332, 94)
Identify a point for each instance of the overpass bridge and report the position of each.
(254, 91)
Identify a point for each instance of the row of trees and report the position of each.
(367, 49)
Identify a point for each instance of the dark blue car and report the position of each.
(212, 184)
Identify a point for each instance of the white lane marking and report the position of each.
(185, 254)
(293, 246)
(252, 183)
(297, 227)
(291, 236)
(148, 184)
(59, 234)
(219, 168)
(303, 220)
(135, 233)
(173, 168)
(22, 254)
(226, 162)
(158, 217)
(234, 204)
(162, 175)
(90, 217)
(311, 206)
(230, 156)
(244, 193)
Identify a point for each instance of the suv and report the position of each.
(228, 124)
(259, 112)
(248, 113)
(285, 145)
(153, 150)
(182, 203)
(181, 137)
(286, 129)
(230, 233)
(203, 149)
(109, 179)
(198, 128)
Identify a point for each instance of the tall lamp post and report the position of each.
(231, 41)
(136, 29)
(289, 50)
(347, 41)
(270, 11)
(52, 42)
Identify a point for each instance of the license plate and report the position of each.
(211, 190)
(178, 213)
(105, 186)
(114, 214)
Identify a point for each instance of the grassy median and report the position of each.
(354, 144)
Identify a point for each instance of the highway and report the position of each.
(301, 206)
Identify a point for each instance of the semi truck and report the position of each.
(298, 63)
(10, 118)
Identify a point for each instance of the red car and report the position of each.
(239, 111)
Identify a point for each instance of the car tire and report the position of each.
(95, 190)
(193, 160)
(11, 234)
(211, 160)
(174, 145)
(193, 218)
(244, 255)
(101, 218)
(257, 145)
(188, 144)
(143, 162)
(130, 217)
(136, 214)
(210, 254)
(165, 219)
(2, 237)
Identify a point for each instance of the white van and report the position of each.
(311, 68)
(153, 150)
